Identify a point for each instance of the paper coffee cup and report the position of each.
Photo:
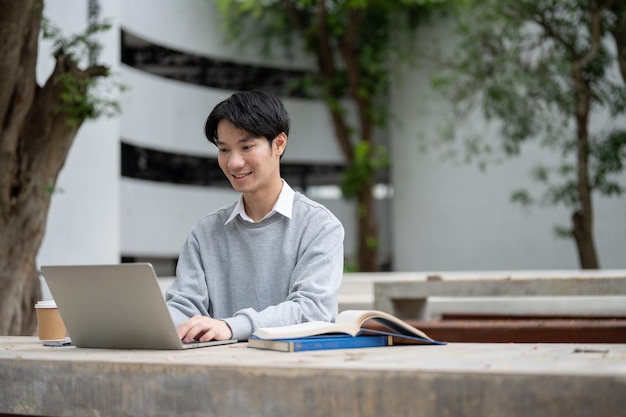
(49, 321)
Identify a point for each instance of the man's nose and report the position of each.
(235, 160)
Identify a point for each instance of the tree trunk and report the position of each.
(368, 231)
(42, 146)
(35, 137)
(582, 219)
(585, 245)
(320, 43)
(19, 29)
(19, 281)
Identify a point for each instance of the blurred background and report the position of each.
(133, 185)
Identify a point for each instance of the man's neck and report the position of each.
(258, 204)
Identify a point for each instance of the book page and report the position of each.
(347, 322)
(359, 317)
(310, 328)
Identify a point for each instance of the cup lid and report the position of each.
(46, 304)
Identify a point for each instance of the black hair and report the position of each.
(257, 112)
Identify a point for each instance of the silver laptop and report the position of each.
(115, 306)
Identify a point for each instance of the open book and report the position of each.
(353, 323)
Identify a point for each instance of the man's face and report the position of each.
(249, 162)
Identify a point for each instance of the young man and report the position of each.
(272, 258)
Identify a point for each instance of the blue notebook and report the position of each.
(325, 342)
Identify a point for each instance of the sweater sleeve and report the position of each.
(188, 294)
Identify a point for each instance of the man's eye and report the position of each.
(222, 150)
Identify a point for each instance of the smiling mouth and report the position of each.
(240, 176)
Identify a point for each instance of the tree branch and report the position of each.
(349, 53)
(95, 71)
(619, 34)
(595, 32)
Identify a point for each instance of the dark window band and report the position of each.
(159, 60)
(153, 165)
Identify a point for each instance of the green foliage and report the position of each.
(352, 45)
(515, 63)
(522, 197)
(372, 242)
(609, 155)
(83, 98)
(350, 265)
(360, 34)
(563, 232)
(86, 93)
(78, 45)
(51, 188)
(359, 174)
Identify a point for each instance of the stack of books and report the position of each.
(351, 329)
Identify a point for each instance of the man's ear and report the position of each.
(280, 143)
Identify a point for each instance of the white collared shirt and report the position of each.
(283, 205)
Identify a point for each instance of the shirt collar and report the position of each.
(283, 205)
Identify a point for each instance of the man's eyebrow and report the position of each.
(242, 140)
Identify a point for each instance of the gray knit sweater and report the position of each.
(276, 272)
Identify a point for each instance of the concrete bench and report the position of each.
(357, 292)
(357, 288)
(408, 299)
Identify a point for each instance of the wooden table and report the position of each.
(459, 379)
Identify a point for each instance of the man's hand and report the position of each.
(203, 329)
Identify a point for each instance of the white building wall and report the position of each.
(169, 115)
(194, 26)
(83, 221)
(449, 215)
(156, 217)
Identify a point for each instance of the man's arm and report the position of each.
(188, 295)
